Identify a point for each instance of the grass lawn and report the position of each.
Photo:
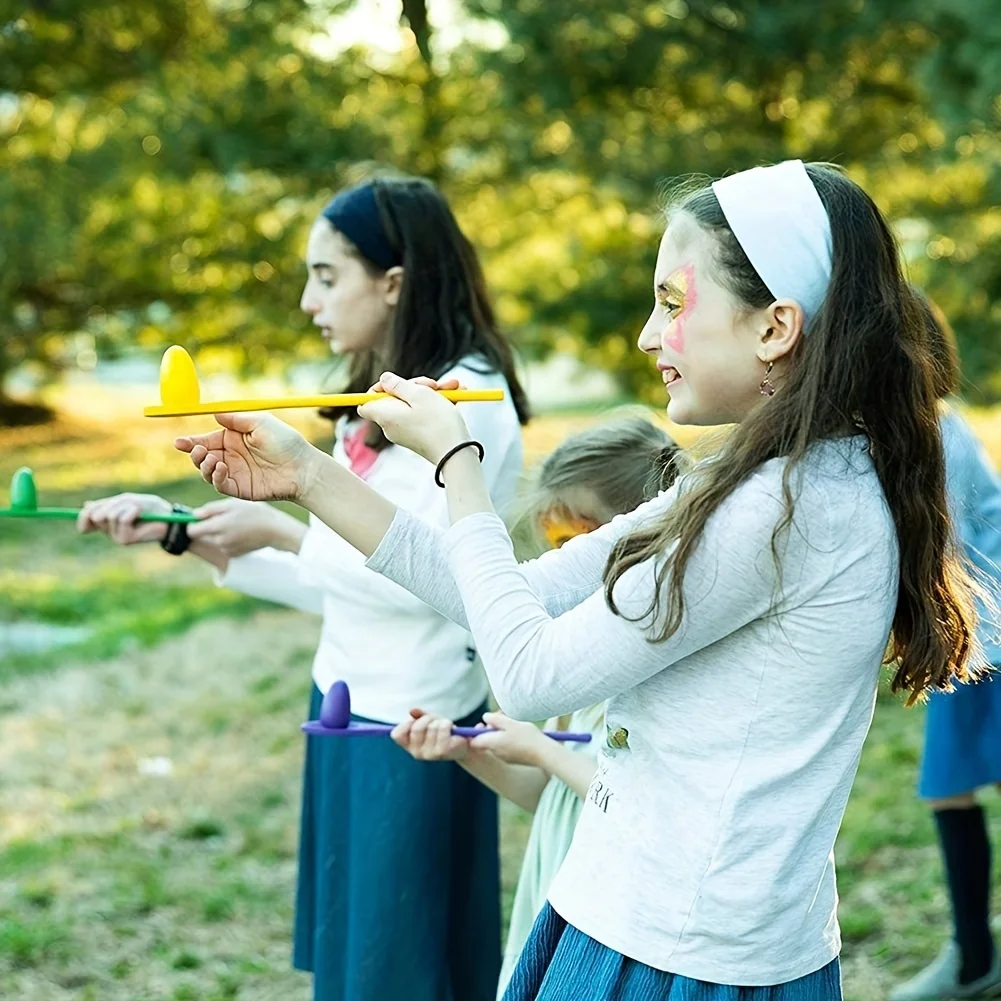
(149, 772)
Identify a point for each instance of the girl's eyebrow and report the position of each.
(670, 285)
(319, 264)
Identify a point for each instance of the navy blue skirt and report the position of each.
(560, 963)
(962, 740)
(399, 876)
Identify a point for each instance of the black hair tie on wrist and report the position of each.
(448, 455)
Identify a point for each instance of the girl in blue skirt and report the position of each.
(398, 885)
(736, 624)
(962, 750)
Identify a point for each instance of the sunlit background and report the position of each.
(160, 163)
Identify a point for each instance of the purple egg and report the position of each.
(335, 710)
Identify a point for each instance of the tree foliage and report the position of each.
(161, 159)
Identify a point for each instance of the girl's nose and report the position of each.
(650, 337)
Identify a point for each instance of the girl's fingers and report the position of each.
(187, 443)
(417, 731)
(401, 733)
(83, 523)
(127, 513)
(498, 721)
(421, 724)
(486, 739)
(213, 509)
(422, 735)
(243, 423)
(206, 531)
(448, 744)
(223, 481)
(441, 734)
(206, 467)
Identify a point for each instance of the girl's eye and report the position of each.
(327, 282)
(670, 305)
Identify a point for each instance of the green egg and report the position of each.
(23, 496)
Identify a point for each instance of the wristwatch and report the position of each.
(176, 541)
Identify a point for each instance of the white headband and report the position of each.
(781, 224)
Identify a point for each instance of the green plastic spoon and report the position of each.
(24, 504)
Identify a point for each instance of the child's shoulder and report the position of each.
(835, 485)
(475, 372)
(959, 442)
(832, 465)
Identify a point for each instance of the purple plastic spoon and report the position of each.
(335, 721)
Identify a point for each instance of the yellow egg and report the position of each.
(178, 379)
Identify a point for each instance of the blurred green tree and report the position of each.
(160, 159)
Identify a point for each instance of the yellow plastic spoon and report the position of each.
(180, 395)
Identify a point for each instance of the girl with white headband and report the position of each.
(737, 623)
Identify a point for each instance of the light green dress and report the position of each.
(548, 842)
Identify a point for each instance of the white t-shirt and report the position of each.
(705, 847)
(393, 650)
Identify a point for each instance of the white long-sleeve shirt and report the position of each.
(393, 650)
(705, 847)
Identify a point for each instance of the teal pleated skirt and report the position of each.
(561, 963)
(399, 879)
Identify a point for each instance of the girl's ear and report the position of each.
(393, 280)
(780, 329)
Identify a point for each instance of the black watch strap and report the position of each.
(176, 541)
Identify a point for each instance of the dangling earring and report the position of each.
(767, 388)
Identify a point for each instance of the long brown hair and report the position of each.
(863, 368)
(444, 313)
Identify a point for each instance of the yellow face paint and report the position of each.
(560, 526)
(679, 293)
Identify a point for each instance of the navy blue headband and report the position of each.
(355, 214)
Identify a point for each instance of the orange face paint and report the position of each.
(679, 292)
(561, 526)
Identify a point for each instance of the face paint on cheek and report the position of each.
(684, 281)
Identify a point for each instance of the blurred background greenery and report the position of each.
(161, 159)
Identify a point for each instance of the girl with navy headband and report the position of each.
(736, 624)
(398, 884)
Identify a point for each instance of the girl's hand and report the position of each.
(429, 738)
(237, 527)
(514, 742)
(253, 457)
(116, 517)
(417, 418)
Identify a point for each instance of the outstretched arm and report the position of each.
(256, 456)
